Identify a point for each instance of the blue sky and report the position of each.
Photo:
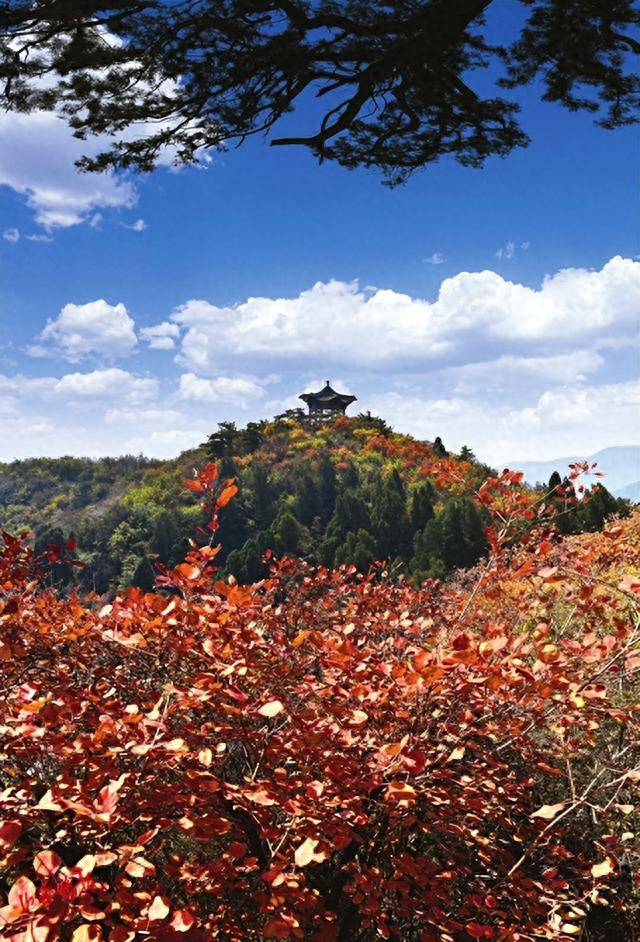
(494, 307)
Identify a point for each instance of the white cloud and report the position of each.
(57, 193)
(161, 336)
(138, 226)
(564, 420)
(110, 384)
(506, 251)
(82, 329)
(225, 389)
(508, 372)
(39, 237)
(475, 314)
(11, 235)
(436, 259)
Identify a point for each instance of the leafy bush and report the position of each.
(326, 755)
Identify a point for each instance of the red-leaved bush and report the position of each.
(323, 755)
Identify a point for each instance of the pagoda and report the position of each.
(326, 403)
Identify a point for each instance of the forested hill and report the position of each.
(352, 491)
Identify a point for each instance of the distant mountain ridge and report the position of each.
(620, 463)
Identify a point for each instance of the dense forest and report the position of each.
(352, 491)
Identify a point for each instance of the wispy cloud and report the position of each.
(506, 251)
(11, 235)
(436, 259)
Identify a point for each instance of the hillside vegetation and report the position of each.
(327, 756)
(352, 491)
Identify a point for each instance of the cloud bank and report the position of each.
(512, 370)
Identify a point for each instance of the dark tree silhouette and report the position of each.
(395, 78)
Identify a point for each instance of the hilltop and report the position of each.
(350, 491)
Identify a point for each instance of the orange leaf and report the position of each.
(226, 495)
(188, 571)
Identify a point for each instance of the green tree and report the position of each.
(222, 444)
(144, 576)
(598, 507)
(350, 515)
(286, 534)
(389, 521)
(308, 503)
(399, 74)
(427, 561)
(327, 488)
(164, 536)
(463, 540)
(258, 494)
(358, 549)
(438, 448)
(421, 507)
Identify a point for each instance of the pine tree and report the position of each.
(163, 538)
(438, 448)
(421, 508)
(286, 534)
(307, 497)
(327, 488)
(144, 577)
(389, 521)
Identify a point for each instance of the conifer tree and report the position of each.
(421, 508)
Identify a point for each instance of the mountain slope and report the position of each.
(352, 491)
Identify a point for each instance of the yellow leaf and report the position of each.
(271, 709)
(305, 853)
(457, 754)
(603, 869)
(548, 812)
(158, 909)
(87, 933)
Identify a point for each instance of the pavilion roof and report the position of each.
(326, 396)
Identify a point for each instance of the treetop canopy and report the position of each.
(395, 80)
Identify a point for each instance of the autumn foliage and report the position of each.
(326, 755)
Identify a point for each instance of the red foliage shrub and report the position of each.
(323, 756)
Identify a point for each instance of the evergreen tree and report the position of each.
(222, 443)
(349, 479)
(598, 507)
(555, 481)
(389, 521)
(327, 488)
(438, 448)
(427, 561)
(144, 576)
(349, 516)
(421, 508)
(466, 454)
(358, 549)
(307, 497)
(286, 534)
(463, 540)
(258, 494)
(164, 536)
(251, 438)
